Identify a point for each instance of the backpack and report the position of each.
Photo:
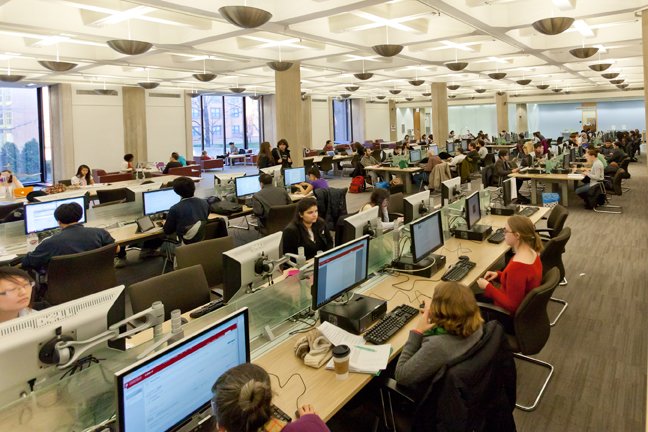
(357, 184)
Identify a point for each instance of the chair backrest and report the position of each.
(109, 203)
(70, 277)
(12, 212)
(110, 195)
(531, 321)
(326, 164)
(208, 254)
(215, 228)
(489, 159)
(551, 255)
(556, 220)
(189, 171)
(396, 203)
(97, 172)
(279, 217)
(183, 289)
(107, 178)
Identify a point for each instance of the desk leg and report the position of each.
(407, 181)
(565, 193)
(534, 192)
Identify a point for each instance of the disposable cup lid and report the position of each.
(340, 351)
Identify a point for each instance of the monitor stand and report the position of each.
(476, 233)
(424, 268)
(355, 315)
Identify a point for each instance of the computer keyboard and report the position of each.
(458, 271)
(279, 414)
(390, 324)
(528, 211)
(497, 237)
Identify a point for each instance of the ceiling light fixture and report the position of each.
(556, 90)
(583, 52)
(8, 77)
(237, 89)
(553, 26)
(352, 88)
(497, 75)
(456, 65)
(600, 67)
(148, 85)
(204, 76)
(129, 46)
(345, 95)
(387, 49)
(610, 75)
(452, 96)
(623, 86)
(245, 16)
(524, 81)
(364, 75)
(57, 66)
(409, 99)
(394, 91)
(279, 66)
(616, 81)
(381, 97)
(453, 86)
(543, 86)
(480, 90)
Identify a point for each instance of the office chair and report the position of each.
(555, 223)
(183, 289)
(208, 254)
(551, 256)
(110, 195)
(73, 276)
(532, 327)
(600, 201)
(473, 392)
(109, 203)
(396, 203)
(12, 212)
(278, 218)
(215, 228)
(170, 245)
(325, 165)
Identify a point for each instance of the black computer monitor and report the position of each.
(340, 270)
(247, 186)
(159, 201)
(39, 216)
(413, 205)
(167, 389)
(473, 210)
(509, 191)
(427, 235)
(415, 155)
(294, 175)
(566, 160)
(450, 147)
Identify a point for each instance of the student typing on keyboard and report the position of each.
(522, 274)
(448, 327)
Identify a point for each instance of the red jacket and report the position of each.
(516, 281)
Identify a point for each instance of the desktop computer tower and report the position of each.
(476, 233)
(356, 315)
(503, 210)
(423, 268)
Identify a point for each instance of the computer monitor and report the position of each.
(413, 204)
(359, 224)
(450, 147)
(415, 155)
(473, 210)
(165, 390)
(159, 201)
(566, 160)
(509, 191)
(427, 235)
(294, 175)
(40, 216)
(23, 337)
(450, 190)
(240, 271)
(435, 149)
(340, 270)
(400, 161)
(247, 186)
(464, 144)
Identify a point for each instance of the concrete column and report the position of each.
(61, 131)
(358, 120)
(644, 48)
(135, 122)
(440, 114)
(501, 103)
(288, 111)
(521, 118)
(307, 123)
(393, 133)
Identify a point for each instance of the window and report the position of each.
(21, 149)
(236, 129)
(236, 112)
(218, 129)
(342, 121)
(253, 123)
(215, 111)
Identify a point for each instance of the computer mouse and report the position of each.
(464, 257)
(422, 306)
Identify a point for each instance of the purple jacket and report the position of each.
(307, 423)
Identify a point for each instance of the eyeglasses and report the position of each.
(14, 291)
(508, 232)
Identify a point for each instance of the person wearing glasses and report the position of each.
(15, 293)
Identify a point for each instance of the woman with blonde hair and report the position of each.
(523, 272)
(449, 326)
(265, 158)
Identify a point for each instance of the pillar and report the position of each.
(307, 122)
(501, 103)
(134, 100)
(288, 111)
(440, 114)
(393, 133)
(61, 131)
(644, 48)
(521, 118)
(358, 120)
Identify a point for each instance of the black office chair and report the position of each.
(551, 256)
(208, 254)
(215, 228)
(278, 218)
(326, 164)
(12, 212)
(555, 223)
(110, 195)
(532, 327)
(599, 201)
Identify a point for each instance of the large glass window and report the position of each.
(342, 121)
(219, 120)
(20, 134)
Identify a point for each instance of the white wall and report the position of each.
(621, 115)
(98, 129)
(377, 121)
(404, 122)
(165, 126)
(474, 118)
(320, 122)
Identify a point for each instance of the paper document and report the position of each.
(367, 358)
(337, 336)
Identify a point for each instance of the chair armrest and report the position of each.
(391, 385)
(542, 230)
(494, 311)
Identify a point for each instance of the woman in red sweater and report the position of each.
(523, 272)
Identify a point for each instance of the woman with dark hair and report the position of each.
(380, 198)
(281, 155)
(15, 293)
(242, 402)
(9, 182)
(127, 164)
(265, 158)
(82, 177)
(307, 230)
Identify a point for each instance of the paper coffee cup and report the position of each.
(341, 355)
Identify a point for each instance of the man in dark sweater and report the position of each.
(183, 216)
(73, 238)
(267, 197)
(173, 163)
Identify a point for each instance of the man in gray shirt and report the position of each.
(267, 197)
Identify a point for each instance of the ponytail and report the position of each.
(524, 228)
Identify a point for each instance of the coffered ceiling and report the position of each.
(331, 39)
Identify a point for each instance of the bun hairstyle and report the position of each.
(524, 228)
(242, 399)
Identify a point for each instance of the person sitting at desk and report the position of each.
(281, 155)
(15, 293)
(306, 230)
(314, 182)
(593, 175)
(204, 155)
(242, 402)
(449, 326)
(82, 177)
(184, 217)
(380, 198)
(127, 163)
(614, 159)
(523, 272)
(73, 238)
(267, 197)
(458, 157)
(483, 150)
(368, 160)
(173, 163)
(9, 182)
(265, 158)
(503, 167)
(424, 176)
(327, 147)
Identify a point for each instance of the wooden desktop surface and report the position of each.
(548, 177)
(392, 169)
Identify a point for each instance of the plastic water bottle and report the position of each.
(32, 242)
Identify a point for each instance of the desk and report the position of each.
(405, 174)
(500, 146)
(337, 168)
(562, 179)
(231, 159)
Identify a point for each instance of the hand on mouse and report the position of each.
(483, 283)
(305, 409)
(490, 276)
(424, 322)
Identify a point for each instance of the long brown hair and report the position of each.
(524, 228)
(455, 309)
(264, 149)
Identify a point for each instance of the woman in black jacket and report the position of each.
(281, 154)
(306, 230)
